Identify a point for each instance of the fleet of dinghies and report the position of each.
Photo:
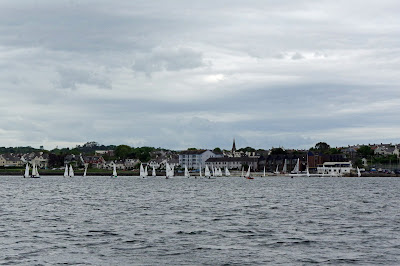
(35, 172)
(214, 172)
(68, 171)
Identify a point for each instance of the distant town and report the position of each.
(383, 158)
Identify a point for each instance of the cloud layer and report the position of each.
(179, 74)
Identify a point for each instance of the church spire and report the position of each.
(233, 146)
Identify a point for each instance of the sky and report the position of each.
(178, 74)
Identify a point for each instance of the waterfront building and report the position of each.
(335, 168)
(194, 159)
(233, 162)
(10, 160)
(40, 159)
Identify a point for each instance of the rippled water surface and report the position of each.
(154, 221)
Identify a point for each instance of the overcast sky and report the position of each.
(179, 74)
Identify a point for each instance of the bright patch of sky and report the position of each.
(179, 74)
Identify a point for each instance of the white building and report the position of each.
(194, 159)
(335, 168)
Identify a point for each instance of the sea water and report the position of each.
(187, 221)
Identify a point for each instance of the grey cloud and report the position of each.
(170, 59)
(70, 78)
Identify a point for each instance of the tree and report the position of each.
(365, 151)
(217, 150)
(192, 149)
(123, 151)
(322, 146)
(276, 151)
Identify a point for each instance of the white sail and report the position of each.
(277, 169)
(219, 172)
(358, 172)
(66, 171)
(200, 171)
(227, 173)
(308, 172)
(264, 170)
(36, 172)
(284, 170)
(33, 169)
(153, 173)
(213, 170)
(26, 174)
(242, 171)
(71, 171)
(296, 167)
(207, 172)
(169, 171)
(142, 171)
(114, 170)
(146, 172)
(187, 172)
(248, 172)
(85, 172)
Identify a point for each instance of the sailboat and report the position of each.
(242, 171)
(142, 173)
(169, 171)
(71, 171)
(153, 173)
(207, 172)
(187, 172)
(277, 169)
(84, 173)
(358, 172)
(26, 174)
(66, 171)
(284, 170)
(35, 172)
(264, 170)
(114, 174)
(146, 172)
(227, 173)
(248, 174)
(199, 172)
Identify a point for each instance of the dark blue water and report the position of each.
(231, 221)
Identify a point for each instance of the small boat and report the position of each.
(71, 171)
(248, 174)
(277, 170)
(227, 173)
(66, 171)
(35, 172)
(26, 174)
(114, 174)
(187, 174)
(153, 173)
(207, 172)
(85, 172)
(142, 173)
(358, 172)
(169, 171)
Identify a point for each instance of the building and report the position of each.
(38, 158)
(94, 161)
(335, 168)
(316, 159)
(233, 162)
(10, 160)
(195, 159)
